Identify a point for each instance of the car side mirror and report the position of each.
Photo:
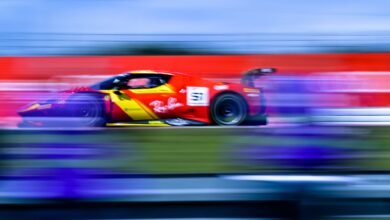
(118, 85)
(117, 91)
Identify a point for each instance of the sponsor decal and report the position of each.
(182, 91)
(253, 95)
(160, 107)
(197, 96)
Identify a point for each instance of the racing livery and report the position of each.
(150, 98)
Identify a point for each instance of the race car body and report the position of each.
(149, 98)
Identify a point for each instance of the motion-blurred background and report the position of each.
(328, 104)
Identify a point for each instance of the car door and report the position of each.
(152, 97)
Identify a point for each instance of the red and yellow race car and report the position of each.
(150, 98)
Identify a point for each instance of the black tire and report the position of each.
(228, 109)
(86, 110)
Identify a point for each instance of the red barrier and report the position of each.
(26, 68)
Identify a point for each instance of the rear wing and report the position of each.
(250, 76)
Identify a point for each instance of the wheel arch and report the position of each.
(98, 95)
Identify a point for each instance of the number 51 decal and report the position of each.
(197, 96)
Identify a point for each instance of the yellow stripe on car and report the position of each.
(158, 89)
(146, 109)
(32, 107)
(150, 124)
(142, 71)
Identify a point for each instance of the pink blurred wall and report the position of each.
(30, 68)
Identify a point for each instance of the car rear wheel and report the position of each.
(228, 109)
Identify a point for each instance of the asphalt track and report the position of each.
(208, 197)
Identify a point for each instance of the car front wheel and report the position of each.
(86, 110)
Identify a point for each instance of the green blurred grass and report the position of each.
(194, 150)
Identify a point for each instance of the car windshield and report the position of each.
(109, 83)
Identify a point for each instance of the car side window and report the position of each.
(138, 83)
(142, 82)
